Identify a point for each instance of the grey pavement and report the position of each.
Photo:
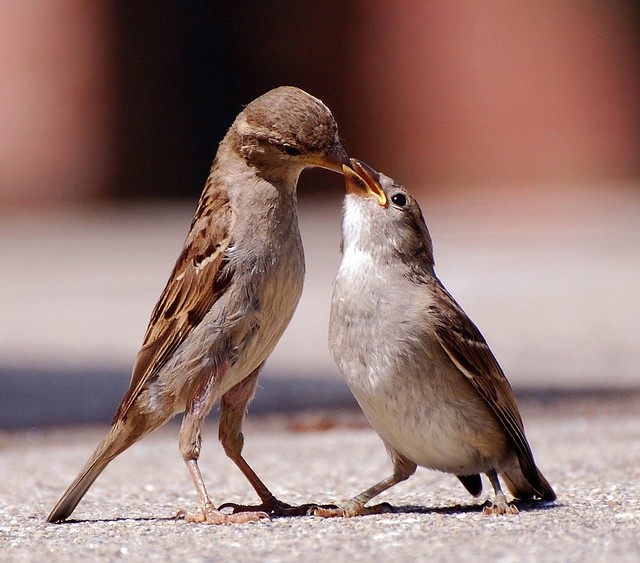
(588, 448)
(552, 284)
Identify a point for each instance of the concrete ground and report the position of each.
(588, 448)
(553, 285)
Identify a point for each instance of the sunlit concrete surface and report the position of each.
(552, 285)
(588, 449)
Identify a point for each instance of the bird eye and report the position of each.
(290, 149)
(399, 199)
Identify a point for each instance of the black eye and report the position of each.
(290, 149)
(399, 199)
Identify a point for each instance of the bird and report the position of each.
(419, 368)
(231, 294)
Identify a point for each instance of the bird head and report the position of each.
(381, 217)
(287, 130)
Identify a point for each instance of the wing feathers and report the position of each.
(469, 351)
(199, 277)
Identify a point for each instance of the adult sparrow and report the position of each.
(230, 296)
(417, 365)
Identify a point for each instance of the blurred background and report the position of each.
(516, 124)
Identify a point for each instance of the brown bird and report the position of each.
(229, 298)
(419, 368)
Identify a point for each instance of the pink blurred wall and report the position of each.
(54, 101)
(444, 95)
(454, 93)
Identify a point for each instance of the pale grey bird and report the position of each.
(231, 294)
(417, 365)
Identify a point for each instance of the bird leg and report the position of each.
(190, 442)
(499, 504)
(402, 470)
(232, 411)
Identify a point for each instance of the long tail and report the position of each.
(119, 438)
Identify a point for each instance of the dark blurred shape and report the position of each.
(176, 88)
(185, 73)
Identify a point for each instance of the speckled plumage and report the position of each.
(230, 296)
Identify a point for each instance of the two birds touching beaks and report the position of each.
(417, 365)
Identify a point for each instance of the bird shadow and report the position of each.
(119, 519)
(522, 506)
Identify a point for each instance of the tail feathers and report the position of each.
(76, 491)
(116, 441)
(473, 484)
(522, 489)
(548, 493)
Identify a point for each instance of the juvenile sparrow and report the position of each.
(230, 296)
(417, 365)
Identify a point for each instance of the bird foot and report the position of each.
(351, 509)
(211, 515)
(498, 507)
(273, 507)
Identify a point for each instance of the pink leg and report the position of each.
(190, 442)
(233, 408)
(402, 470)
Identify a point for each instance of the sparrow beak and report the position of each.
(334, 159)
(362, 180)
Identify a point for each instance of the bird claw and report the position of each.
(498, 508)
(272, 508)
(350, 510)
(214, 516)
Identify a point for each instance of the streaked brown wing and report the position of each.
(197, 280)
(469, 351)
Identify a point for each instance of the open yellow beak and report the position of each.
(362, 180)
